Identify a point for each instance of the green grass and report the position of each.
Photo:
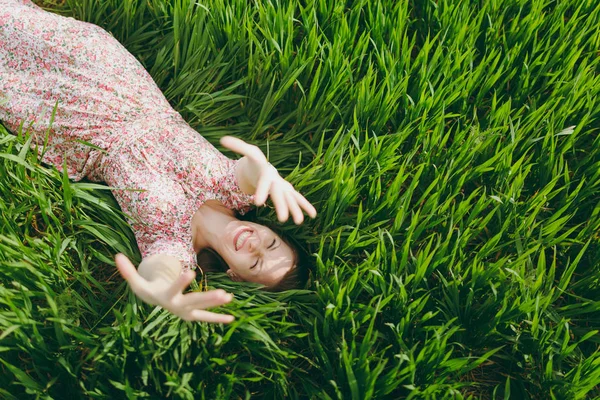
(452, 151)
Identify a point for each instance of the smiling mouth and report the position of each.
(241, 238)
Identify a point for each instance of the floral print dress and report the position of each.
(110, 123)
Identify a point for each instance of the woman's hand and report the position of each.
(256, 176)
(168, 294)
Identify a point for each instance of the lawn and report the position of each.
(452, 150)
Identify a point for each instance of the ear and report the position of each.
(233, 276)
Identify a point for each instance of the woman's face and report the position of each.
(255, 253)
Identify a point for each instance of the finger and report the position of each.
(262, 190)
(207, 316)
(182, 282)
(213, 298)
(130, 274)
(305, 204)
(295, 210)
(239, 146)
(279, 202)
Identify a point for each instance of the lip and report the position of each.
(235, 239)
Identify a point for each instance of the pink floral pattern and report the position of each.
(111, 123)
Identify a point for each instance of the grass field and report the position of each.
(452, 150)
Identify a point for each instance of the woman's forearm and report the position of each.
(243, 174)
(160, 267)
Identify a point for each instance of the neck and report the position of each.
(208, 223)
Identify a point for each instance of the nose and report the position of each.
(253, 242)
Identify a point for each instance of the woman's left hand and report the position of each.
(257, 176)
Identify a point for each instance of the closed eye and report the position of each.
(271, 247)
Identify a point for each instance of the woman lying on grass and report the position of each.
(110, 122)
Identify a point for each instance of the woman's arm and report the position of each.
(255, 175)
(159, 281)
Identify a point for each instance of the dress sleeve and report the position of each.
(156, 206)
(151, 244)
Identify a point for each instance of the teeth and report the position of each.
(242, 238)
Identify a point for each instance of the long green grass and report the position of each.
(452, 151)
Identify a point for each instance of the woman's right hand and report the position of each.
(169, 295)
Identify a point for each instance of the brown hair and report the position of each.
(210, 261)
